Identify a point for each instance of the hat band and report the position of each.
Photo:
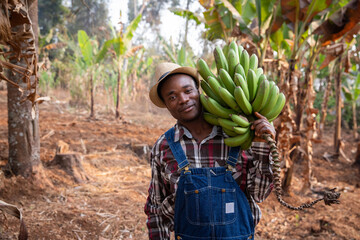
(162, 76)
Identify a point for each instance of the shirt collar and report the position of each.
(181, 130)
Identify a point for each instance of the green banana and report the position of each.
(225, 49)
(234, 46)
(280, 103)
(237, 140)
(240, 50)
(240, 81)
(203, 69)
(205, 103)
(248, 142)
(229, 132)
(233, 60)
(229, 99)
(220, 59)
(219, 110)
(209, 92)
(242, 101)
(227, 80)
(245, 60)
(258, 72)
(261, 95)
(253, 63)
(261, 77)
(252, 84)
(211, 119)
(240, 120)
(239, 69)
(215, 85)
(271, 101)
(240, 130)
(267, 92)
(227, 124)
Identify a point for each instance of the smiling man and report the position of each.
(196, 190)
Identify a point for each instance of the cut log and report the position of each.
(71, 164)
(141, 150)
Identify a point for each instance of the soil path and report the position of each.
(110, 204)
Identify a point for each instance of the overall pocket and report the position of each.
(224, 205)
(211, 205)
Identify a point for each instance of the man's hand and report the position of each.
(261, 126)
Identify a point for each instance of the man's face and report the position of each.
(181, 97)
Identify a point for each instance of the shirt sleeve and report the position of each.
(259, 174)
(158, 206)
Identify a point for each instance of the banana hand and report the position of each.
(261, 126)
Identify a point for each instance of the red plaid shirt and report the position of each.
(252, 171)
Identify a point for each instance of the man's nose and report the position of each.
(184, 98)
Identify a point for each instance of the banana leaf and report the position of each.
(86, 47)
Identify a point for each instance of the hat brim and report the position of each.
(153, 94)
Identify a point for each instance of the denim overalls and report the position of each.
(209, 203)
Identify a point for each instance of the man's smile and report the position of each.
(187, 108)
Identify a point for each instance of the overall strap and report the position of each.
(176, 149)
(233, 156)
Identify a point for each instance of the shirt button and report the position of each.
(223, 190)
(196, 191)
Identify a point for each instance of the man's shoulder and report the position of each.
(160, 145)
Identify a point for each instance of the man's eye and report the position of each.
(189, 90)
(171, 98)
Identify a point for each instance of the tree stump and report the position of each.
(141, 150)
(71, 164)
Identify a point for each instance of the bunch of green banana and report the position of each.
(239, 89)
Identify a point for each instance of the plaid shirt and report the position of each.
(252, 171)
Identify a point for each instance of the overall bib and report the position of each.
(209, 203)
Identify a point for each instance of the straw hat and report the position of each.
(161, 72)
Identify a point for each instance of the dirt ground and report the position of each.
(109, 205)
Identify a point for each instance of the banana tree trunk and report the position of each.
(23, 118)
(310, 129)
(92, 113)
(355, 127)
(337, 134)
(186, 27)
(324, 105)
(286, 127)
(118, 92)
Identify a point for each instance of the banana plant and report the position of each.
(222, 19)
(118, 47)
(179, 56)
(351, 94)
(88, 62)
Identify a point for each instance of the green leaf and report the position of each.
(317, 6)
(277, 37)
(102, 53)
(237, 5)
(181, 58)
(129, 33)
(85, 46)
(357, 87)
(357, 82)
(347, 93)
(267, 7)
(249, 13)
(188, 14)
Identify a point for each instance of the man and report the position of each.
(194, 191)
